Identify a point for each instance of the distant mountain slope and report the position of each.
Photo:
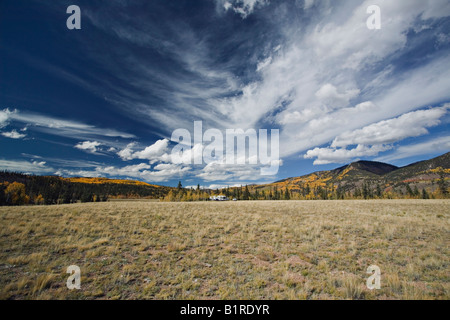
(371, 175)
(422, 168)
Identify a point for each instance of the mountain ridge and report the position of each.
(372, 166)
(370, 175)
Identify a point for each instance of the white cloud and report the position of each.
(4, 116)
(65, 128)
(329, 95)
(88, 146)
(127, 152)
(159, 151)
(223, 172)
(314, 79)
(412, 124)
(377, 137)
(140, 171)
(431, 146)
(331, 155)
(40, 164)
(13, 134)
(25, 166)
(264, 63)
(243, 7)
(156, 150)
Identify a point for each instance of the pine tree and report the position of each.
(2, 195)
(425, 194)
(365, 191)
(442, 185)
(379, 192)
(246, 195)
(416, 192)
(409, 191)
(86, 197)
(287, 196)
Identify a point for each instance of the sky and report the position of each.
(104, 100)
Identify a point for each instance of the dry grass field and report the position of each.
(227, 250)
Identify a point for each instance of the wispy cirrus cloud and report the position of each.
(62, 128)
(25, 166)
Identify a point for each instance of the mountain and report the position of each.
(368, 176)
(421, 170)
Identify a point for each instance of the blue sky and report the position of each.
(104, 100)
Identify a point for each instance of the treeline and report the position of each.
(21, 189)
(438, 189)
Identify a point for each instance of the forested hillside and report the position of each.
(20, 189)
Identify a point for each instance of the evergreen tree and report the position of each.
(425, 194)
(86, 197)
(416, 192)
(246, 195)
(409, 191)
(287, 196)
(379, 192)
(357, 193)
(365, 191)
(2, 195)
(442, 185)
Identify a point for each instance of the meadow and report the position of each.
(227, 250)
